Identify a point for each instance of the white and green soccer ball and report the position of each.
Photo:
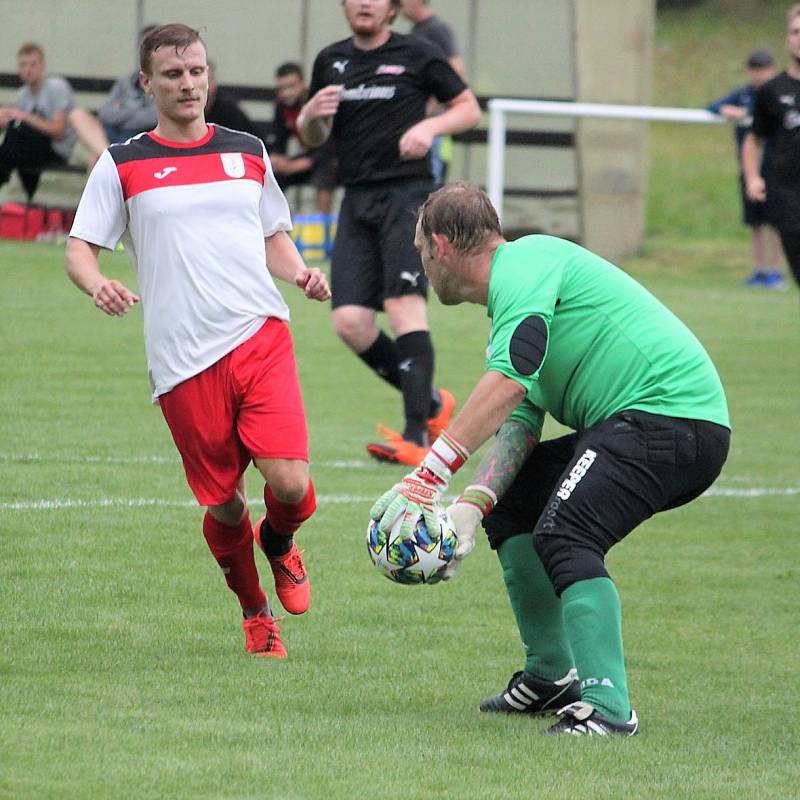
(420, 557)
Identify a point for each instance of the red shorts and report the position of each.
(248, 405)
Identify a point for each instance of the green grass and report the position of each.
(123, 672)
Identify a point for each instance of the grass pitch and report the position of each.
(123, 671)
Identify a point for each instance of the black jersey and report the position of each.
(776, 117)
(385, 94)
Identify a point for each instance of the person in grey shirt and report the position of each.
(38, 129)
(128, 110)
(429, 26)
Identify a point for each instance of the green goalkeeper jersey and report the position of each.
(610, 346)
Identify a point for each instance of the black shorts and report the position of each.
(596, 486)
(374, 255)
(753, 213)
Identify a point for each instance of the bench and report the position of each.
(266, 94)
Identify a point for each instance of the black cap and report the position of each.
(759, 59)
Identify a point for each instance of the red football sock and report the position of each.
(285, 519)
(233, 549)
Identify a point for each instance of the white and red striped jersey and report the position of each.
(193, 218)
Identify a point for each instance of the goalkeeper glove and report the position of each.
(420, 491)
(467, 512)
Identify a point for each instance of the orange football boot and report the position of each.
(262, 636)
(291, 579)
(396, 449)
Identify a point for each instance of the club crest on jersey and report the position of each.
(390, 69)
(233, 164)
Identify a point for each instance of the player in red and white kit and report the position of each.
(205, 226)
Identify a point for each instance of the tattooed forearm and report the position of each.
(509, 451)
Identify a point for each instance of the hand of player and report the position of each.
(325, 103)
(467, 513)
(416, 141)
(757, 189)
(114, 298)
(418, 492)
(733, 112)
(314, 283)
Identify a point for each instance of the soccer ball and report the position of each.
(418, 558)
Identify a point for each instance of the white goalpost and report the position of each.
(500, 107)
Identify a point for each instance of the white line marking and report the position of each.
(48, 504)
(26, 458)
(721, 491)
(22, 458)
(145, 502)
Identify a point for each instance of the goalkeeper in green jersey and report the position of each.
(576, 337)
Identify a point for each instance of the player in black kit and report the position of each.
(776, 117)
(369, 94)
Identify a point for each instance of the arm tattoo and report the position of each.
(509, 451)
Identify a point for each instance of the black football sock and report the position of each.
(382, 358)
(415, 352)
(274, 544)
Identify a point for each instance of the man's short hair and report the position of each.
(172, 35)
(793, 12)
(463, 214)
(289, 68)
(30, 47)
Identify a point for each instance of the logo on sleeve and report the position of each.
(233, 164)
(164, 172)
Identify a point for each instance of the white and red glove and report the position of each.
(421, 490)
(467, 512)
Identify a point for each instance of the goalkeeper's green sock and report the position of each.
(536, 609)
(593, 619)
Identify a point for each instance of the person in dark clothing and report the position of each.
(222, 108)
(369, 93)
(776, 120)
(737, 106)
(308, 166)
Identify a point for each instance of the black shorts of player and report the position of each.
(753, 213)
(594, 487)
(374, 255)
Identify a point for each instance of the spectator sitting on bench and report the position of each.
(38, 129)
(129, 109)
(222, 108)
(317, 167)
